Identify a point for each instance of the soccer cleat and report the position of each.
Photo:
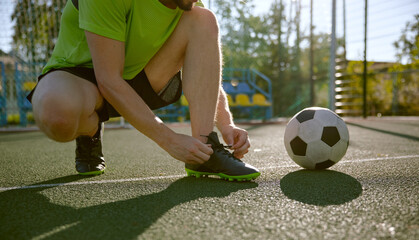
(222, 163)
(89, 156)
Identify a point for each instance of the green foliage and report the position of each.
(406, 76)
(408, 44)
(321, 55)
(263, 42)
(243, 38)
(36, 28)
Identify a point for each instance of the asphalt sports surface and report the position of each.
(372, 193)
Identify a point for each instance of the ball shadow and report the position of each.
(321, 188)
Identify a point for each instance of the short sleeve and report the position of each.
(104, 17)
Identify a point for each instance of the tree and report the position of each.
(243, 34)
(408, 44)
(36, 29)
(263, 42)
(405, 73)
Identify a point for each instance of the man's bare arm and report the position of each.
(224, 117)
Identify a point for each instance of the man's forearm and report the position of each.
(124, 99)
(224, 116)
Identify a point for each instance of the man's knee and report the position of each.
(56, 118)
(59, 128)
(203, 21)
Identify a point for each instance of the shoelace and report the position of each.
(223, 149)
(219, 145)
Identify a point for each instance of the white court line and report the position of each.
(178, 176)
(382, 158)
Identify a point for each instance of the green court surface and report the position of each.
(373, 193)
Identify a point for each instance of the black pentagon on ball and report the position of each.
(330, 136)
(324, 165)
(305, 115)
(298, 146)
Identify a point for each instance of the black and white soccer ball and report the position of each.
(316, 138)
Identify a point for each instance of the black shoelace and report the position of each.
(223, 149)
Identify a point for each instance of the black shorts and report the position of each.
(170, 93)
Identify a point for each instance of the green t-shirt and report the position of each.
(144, 26)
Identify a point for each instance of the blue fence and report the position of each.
(3, 96)
(17, 80)
(249, 93)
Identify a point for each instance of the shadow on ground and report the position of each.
(28, 214)
(321, 188)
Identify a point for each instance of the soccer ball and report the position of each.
(316, 138)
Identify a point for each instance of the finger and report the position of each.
(242, 150)
(230, 140)
(202, 157)
(202, 152)
(241, 140)
(240, 156)
(206, 148)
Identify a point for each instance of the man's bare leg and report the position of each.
(64, 108)
(65, 105)
(194, 45)
(202, 77)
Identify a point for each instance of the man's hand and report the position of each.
(233, 136)
(188, 149)
(237, 138)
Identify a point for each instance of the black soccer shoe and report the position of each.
(89, 156)
(222, 163)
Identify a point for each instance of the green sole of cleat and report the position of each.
(242, 178)
(93, 173)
